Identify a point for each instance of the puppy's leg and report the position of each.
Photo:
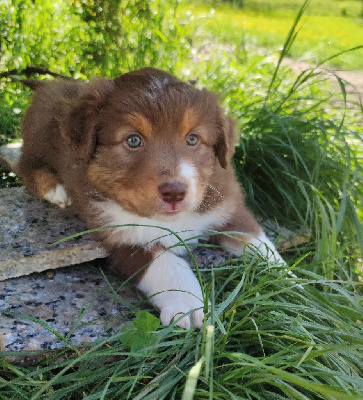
(254, 239)
(175, 290)
(265, 247)
(167, 280)
(44, 184)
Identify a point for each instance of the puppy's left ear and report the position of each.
(224, 147)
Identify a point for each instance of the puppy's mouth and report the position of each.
(172, 208)
(173, 196)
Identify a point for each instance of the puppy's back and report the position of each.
(42, 140)
(48, 102)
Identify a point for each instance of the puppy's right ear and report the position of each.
(81, 117)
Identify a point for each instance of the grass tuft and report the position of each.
(276, 337)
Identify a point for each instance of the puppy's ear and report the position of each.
(226, 139)
(80, 118)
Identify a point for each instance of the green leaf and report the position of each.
(146, 322)
(128, 334)
(138, 334)
(141, 342)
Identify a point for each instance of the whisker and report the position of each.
(215, 190)
(213, 194)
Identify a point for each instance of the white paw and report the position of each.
(177, 305)
(58, 196)
(174, 289)
(266, 248)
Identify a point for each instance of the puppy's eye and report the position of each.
(192, 139)
(134, 141)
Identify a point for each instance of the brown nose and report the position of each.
(173, 192)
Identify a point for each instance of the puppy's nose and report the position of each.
(173, 192)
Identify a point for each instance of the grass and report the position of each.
(300, 161)
(267, 338)
(255, 29)
(297, 138)
(345, 8)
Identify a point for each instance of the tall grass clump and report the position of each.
(299, 156)
(267, 337)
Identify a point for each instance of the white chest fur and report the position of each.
(135, 230)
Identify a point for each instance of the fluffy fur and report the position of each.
(143, 149)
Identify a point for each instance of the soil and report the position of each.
(353, 80)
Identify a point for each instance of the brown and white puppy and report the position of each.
(143, 150)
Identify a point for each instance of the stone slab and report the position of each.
(77, 303)
(28, 229)
(81, 303)
(284, 238)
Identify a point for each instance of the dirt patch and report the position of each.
(353, 80)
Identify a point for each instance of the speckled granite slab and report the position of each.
(28, 227)
(76, 303)
(79, 303)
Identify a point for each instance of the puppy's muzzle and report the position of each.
(173, 192)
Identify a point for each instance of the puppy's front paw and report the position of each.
(58, 196)
(174, 290)
(174, 306)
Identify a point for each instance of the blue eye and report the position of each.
(192, 139)
(134, 141)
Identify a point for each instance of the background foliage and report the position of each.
(330, 26)
(83, 39)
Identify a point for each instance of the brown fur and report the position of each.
(76, 134)
(134, 260)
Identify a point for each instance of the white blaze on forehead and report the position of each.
(188, 172)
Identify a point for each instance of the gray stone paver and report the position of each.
(28, 229)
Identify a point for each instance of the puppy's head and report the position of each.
(150, 142)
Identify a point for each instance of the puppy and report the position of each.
(145, 151)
